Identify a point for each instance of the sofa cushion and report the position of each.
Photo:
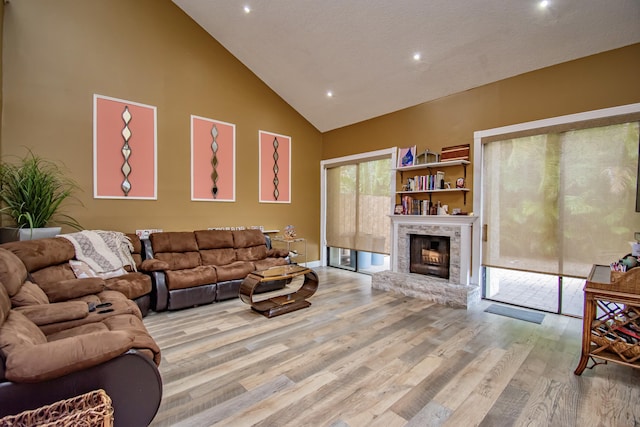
(254, 253)
(250, 245)
(188, 278)
(12, 272)
(53, 274)
(41, 253)
(234, 271)
(214, 239)
(218, 256)
(17, 331)
(173, 241)
(180, 260)
(248, 238)
(72, 288)
(5, 304)
(117, 308)
(45, 314)
(88, 328)
(29, 294)
(132, 285)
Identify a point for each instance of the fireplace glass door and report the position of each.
(429, 255)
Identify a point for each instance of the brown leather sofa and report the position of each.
(190, 268)
(71, 337)
(47, 262)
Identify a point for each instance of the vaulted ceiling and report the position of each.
(362, 51)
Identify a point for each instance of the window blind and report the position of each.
(559, 202)
(357, 206)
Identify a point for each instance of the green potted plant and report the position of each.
(31, 192)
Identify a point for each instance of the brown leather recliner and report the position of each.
(51, 351)
(48, 264)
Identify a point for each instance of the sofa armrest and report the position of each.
(147, 249)
(160, 292)
(41, 362)
(153, 264)
(45, 314)
(277, 253)
(267, 241)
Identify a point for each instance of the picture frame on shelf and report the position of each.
(460, 183)
(406, 156)
(398, 209)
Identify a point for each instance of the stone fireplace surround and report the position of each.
(456, 292)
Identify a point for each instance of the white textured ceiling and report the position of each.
(362, 50)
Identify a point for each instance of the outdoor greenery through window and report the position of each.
(358, 205)
(557, 203)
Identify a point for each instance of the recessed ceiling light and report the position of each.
(544, 4)
(329, 94)
(417, 56)
(247, 9)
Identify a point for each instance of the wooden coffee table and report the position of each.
(298, 284)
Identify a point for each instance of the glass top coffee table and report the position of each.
(295, 284)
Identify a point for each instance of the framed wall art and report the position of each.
(213, 160)
(406, 156)
(275, 168)
(124, 149)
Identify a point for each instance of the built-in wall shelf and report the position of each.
(434, 165)
(443, 190)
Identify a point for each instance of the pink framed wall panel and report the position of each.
(275, 167)
(213, 160)
(124, 149)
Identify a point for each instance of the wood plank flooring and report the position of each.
(362, 357)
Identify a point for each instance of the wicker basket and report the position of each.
(627, 352)
(92, 409)
(628, 282)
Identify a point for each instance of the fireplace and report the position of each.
(414, 262)
(429, 255)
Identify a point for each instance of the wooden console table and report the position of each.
(298, 284)
(611, 318)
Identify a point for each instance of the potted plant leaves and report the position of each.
(32, 191)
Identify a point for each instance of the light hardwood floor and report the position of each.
(362, 357)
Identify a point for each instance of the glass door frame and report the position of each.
(628, 112)
(338, 161)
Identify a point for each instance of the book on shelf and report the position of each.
(455, 152)
(425, 182)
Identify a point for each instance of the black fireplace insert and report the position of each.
(429, 255)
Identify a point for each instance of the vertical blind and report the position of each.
(358, 206)
(557, 203)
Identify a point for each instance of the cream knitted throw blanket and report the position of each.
(103, 251)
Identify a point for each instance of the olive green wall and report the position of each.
(57, 54)
(605, 80)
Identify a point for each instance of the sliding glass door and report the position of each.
(357, 212)
(554, 204)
